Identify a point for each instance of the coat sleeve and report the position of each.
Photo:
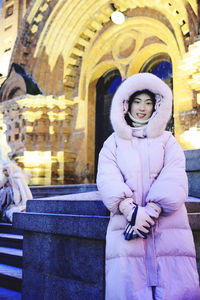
(110, 181)
(170, 189)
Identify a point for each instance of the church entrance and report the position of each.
(105, 89)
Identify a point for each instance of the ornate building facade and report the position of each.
(11, 14)
(78, 57)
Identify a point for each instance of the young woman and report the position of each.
(14, 190)
(141, 176)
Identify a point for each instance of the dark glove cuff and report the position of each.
(133, 218)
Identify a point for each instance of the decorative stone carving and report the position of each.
(39, 133)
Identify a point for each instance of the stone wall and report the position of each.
(63, 250)
(193, 209)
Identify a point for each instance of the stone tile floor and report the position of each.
(6, 294)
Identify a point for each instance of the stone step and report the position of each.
(8, 228)
(11, 256)
(56, 190)
(10, 277)
(193, 205)
(78, 207)
(7, 294)
(11, 240)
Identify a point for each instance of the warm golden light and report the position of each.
(192, 137)
(198, 98)
(191, 65)
(38, 164)
(51, 130)
(36, 158)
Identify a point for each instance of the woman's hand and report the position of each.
(140, 218)
(153, 210)
(139, 225)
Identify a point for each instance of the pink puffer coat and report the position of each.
(151, 168)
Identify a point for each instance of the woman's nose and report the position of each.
(142, 106)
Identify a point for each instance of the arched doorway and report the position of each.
(161, 66)
(105, 89)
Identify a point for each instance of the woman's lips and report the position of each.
(141, 116)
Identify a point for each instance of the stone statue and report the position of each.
(14, 190)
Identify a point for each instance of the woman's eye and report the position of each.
(149, 103)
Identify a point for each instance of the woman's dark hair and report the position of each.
(131, 99)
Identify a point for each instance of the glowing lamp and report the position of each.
(117, 17)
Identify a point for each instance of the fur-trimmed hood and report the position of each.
(163, 106)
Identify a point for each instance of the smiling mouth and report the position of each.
(141, 115)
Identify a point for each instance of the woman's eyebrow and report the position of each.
(142, 99)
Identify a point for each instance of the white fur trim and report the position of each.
(138, 82)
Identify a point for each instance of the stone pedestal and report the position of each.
(193, 209)
(193, 171)
(63, 249)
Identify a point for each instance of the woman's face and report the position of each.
(142, 107)
(5, 171)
